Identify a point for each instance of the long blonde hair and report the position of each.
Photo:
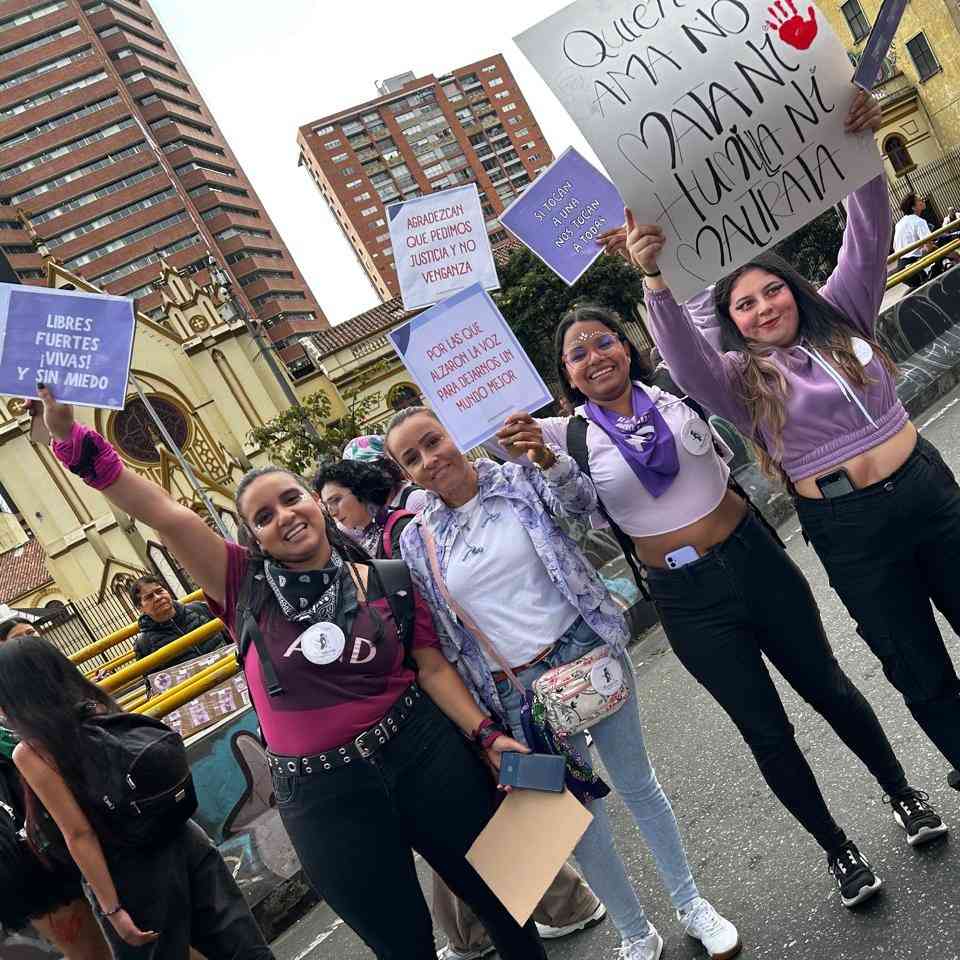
(763, 387)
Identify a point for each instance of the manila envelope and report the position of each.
(521, 850)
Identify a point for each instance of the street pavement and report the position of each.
(750, 858)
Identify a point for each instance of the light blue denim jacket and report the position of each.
(535, 496)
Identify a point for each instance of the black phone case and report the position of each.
(533, 771)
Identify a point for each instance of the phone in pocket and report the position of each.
(835, 484)
(681, 557)
(532, 771)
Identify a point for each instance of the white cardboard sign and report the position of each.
(440, 245)
(722, 122)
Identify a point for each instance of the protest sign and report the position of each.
(469, 366)
(440, 245)
(561, 214)
(722, 123)
(80, 344)
(878, 43)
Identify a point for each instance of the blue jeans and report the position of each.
(619, 741)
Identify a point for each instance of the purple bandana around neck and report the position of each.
(653, 458)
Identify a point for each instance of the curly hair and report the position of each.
(640, 368)
(368, 482)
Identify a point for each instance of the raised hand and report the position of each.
(644, 243)
(790, 26)
(865, 113)
(58, 417)
(520, 433)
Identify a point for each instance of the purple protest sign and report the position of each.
(80, 344)
(562, 213)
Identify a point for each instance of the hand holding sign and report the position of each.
(520, 433)
(57, 417)
(644, 243)
(865, 113)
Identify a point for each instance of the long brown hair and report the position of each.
(763, 387)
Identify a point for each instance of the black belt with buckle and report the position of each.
(360, 748)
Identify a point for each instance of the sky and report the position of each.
(267, 68)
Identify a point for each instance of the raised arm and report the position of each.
(201, 551)
(82, 842)
(857, 285)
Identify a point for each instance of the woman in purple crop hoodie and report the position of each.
(802, 374)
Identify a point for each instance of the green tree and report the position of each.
(533, 298)
(813, 248)
(289, 443)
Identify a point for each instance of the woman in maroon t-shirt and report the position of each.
(367, 765)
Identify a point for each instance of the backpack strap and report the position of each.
(250, 600)
(577, 448)
(396, 585)
(405, 495)
(395, 525)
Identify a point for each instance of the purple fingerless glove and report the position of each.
(89, 456)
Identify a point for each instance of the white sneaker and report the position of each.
(448, 953)
(718, 935)
(643, 948)
(552, 933)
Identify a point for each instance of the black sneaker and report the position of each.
(953, 779)
(855, 878)
(912, 811)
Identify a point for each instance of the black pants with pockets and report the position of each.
(746, 600)
(184, 891)
(355, 830)
(892, 552)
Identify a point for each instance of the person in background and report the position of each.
(403, 493)
(356, 494)
(44, 895)
(163, 620)
(910, 228)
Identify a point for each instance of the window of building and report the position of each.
(512, 120)
(52, 94)
(320, 131)
(897, 152)
(923, 57)
(489, 68)
(126, 240)
(346, 171)
(362, 196)
(35, 14)
(368, 211)
(508, 108)
(330, 144)
(495, 82)
(39, 42)
(146, 260)
(379, 223)
(340, 157)
(856, 21)
(81, 201)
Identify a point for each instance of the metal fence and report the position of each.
(79, 623)
(938, 181)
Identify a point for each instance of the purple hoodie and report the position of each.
(828, 420)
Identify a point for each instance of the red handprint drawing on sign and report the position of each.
(791, 27)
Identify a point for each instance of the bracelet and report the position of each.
(114, 911)
(86, 454)
(651, 273)
(490, 737)
(484, 724)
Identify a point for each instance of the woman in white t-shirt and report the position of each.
(487, 543)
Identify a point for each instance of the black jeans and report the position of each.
(891, 549)
(747, 599)
(355, 830)
(186, 893)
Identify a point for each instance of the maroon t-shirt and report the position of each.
(323, 706)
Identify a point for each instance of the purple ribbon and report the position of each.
(652, 455)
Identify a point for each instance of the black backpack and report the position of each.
(139, 786)
(392, 580)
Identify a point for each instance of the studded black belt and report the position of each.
(360, 748)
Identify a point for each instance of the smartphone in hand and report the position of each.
(532, 771)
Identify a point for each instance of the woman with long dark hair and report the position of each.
(802, 374)
(152, 901)
(359, 709)
(488, 535)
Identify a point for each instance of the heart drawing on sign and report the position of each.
(791, 27)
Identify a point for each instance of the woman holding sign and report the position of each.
(804, 377)
(489, 535)
(359, 709)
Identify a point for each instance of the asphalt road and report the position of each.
(749, 856)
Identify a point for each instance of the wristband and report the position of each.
(89, 456)
(484, 724)
(651, 273)
(492, 735)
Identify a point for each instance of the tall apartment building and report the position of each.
(109, 149)
(470, 126)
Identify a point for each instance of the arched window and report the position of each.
(895, 147)
(403, 395)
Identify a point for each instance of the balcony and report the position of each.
(894, 90)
